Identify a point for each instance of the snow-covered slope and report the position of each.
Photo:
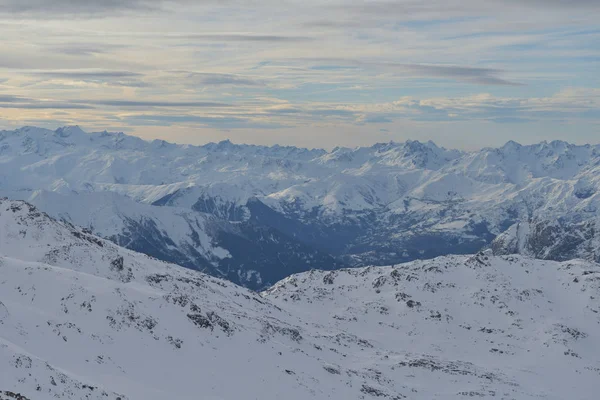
(81, 318)
(464, 326)
(249, 254)
(205, 205)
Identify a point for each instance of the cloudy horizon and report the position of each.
(465, 74)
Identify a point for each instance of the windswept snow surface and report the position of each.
(81, 318)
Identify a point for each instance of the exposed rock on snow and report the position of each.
(81, 318)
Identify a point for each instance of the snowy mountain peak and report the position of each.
(511, 145)
(382, 147)
(67, 131)
(221, 146)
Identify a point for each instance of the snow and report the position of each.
(81, 318)
(69, 159)
(515, 182)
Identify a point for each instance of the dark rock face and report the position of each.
(8, 395)
(226, 210)
(557, 240)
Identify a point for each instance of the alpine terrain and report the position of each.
(256, 214)
(81, 318)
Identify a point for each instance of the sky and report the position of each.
(463, 73)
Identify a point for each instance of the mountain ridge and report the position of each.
(68, 130)
(299, 208)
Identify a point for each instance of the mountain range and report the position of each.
(256, 214)
(82, 318)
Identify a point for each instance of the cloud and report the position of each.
(479, 76)
(332, 67)
(215, 79)
(466, 74)
(558, 3)
(574, 104)
(46, 106)
(510, 120)
(7, 98)
(376, 119)
(386, 7)
(24, 103)
(331, 112)
(235, 37)
(354, 16)
(283, 110)
(84, 49)
(224, 122)
(450, 8)
(70, 7)
(106, 77)
(86, 74)
(149, 103)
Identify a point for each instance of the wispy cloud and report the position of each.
(574, 103)
(85, 49)
(7, 98)
(467, 74)
(74, 77)
(83, 74)
(224, 122)
(89, 7)
(240, 37)
(150, 103)
(480, 76)
(47, 105)
(20, 102)
(216, 79)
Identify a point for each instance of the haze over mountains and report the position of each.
(81, 318)
(256, 214)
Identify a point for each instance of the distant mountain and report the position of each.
(81, 318)
(255, 214)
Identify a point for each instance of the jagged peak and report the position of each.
(409, 145)
(511, 144)
(383, 146)
(69, 130)
(557, 143)
(418, 145)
